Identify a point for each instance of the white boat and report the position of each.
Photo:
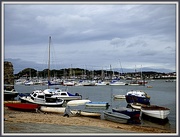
(77, 102)
(9, 92)
(155, 111)
(117, 83)
(116, 117)
(97, 104)
(101, 83)
(119, 96)
(39, 97)
(28, 83)
(68, 83)
(136, 105)
(53, 109)
(90, 114)
(64, 94)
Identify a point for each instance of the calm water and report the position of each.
(162, 93)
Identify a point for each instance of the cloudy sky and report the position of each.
(91, 36)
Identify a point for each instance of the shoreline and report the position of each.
(20, 118)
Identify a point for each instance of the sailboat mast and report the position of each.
(49, 61)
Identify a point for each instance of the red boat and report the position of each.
(22, 106)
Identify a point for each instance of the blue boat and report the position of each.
(133, 113)
(137, 97)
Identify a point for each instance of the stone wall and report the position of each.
(8, 75)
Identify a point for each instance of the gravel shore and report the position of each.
(31, 122)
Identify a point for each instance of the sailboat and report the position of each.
(40, 96)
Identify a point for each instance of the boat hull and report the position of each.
(135, 99)
(130, 112)
(77, 102)
(41, 102)
(156, 111)
(22, 106)
(97, 104)
(116, 117)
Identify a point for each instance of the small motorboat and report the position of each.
(63, 94)
(116, 117)
(41, 98)
(133, 113)
(155, 111)
(23, 106)
(137, 96)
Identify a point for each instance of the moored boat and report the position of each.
(137, 96)
(119, 96)
(155, 111)
(65, 94)
(22, 106)
(116, 117)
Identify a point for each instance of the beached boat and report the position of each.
(137, 96)
(133, 113)
(39, 97)
(116, 117)
(119, 96)
(22, 106)
(89, 114)
(53, 109)
(155, 111)
(97, 104)
(77, 102)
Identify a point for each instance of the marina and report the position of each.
(162, 94)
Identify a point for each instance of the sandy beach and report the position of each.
(16, 121)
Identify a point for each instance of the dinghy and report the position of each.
(116, 117)
(77, 102)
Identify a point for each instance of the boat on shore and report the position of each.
(97, 104)
(89, 113)
(41, 98)
(53, 109)
(137, 96)
(133, 113)
(116, 117)
(23, 106)
(78, 102)
(155, 111)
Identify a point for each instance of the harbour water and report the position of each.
(162, 93)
